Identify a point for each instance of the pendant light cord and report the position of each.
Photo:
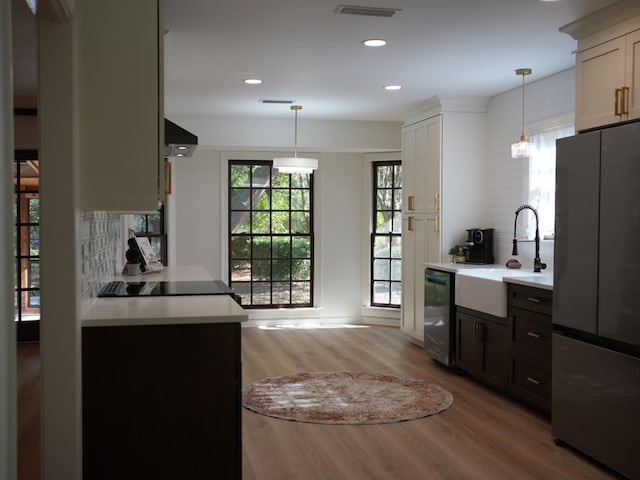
(522, 137)
(295, 134)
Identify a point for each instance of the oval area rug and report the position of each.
(345, 398)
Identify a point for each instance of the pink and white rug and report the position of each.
(345, 398)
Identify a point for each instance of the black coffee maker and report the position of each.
(479, 245)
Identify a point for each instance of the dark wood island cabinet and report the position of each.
(161, 385)
(162, 402)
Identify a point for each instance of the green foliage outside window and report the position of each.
(270, 227)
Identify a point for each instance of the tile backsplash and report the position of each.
(100, 250)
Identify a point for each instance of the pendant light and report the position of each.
(522, 149)
(295, 164)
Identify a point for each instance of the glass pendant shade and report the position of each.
(295, 164)
(522, 148)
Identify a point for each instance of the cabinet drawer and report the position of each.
(530, 330)
(530, 380)
(529, 298)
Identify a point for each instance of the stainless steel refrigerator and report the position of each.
(596, 306)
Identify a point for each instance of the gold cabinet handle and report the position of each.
(410, 198)
(625, 101)
(535, 381)
(436, 224)
(168, 185)
(533, 299)
(534, 335)
(617, 111)
(410, 224)
(436, 202)
(477, 331)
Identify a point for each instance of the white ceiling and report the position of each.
(305, 52)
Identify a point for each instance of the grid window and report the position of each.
(151, 225)
(26, 211)
(270, 235)
(386, 252)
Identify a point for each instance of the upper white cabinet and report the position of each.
(607, 65)
(444, 191)
(121, 119)
(444, 165)
(421, 143)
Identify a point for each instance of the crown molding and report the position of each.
(602, 19)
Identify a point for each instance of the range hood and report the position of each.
(178, 142)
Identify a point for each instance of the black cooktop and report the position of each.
(161, 289)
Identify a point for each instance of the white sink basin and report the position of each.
(483, 289)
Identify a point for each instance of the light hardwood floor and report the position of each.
(484, 435)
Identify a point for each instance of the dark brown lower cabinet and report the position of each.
(483, 346)
(162, 402)
(530, 330)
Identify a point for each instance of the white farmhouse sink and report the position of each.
(483, 289)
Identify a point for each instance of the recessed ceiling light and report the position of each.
(392, 87)
(252, 81)
(375, 42)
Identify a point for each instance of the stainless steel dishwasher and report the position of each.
(439, 315)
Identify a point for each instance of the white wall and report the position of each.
(545, 99)
(8, 393)
(60, 330)
(197, 210)
(197, 228)
(264, 134)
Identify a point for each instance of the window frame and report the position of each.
(162, 234)
(564, 126)
(393, 236)
(27, 314)
(310, 280)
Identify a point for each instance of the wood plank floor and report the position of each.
(482, 436)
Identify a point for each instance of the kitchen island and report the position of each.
(162, 384)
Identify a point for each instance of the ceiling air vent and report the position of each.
(285, 102)
(367, 11)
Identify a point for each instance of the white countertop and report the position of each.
(186, 309)
(519, 276)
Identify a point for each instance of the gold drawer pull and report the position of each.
(535, 381)
(533, 299)
(410, 224)
(534, 334)
(617, 111)
(625, 101)
(410, 202)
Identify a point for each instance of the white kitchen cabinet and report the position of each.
(421, 243)
(633, 75)
(421, 144)
(444, 191)
(607, 66)
(121, 119)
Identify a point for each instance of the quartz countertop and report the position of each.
(187, 309)
(519, 276)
